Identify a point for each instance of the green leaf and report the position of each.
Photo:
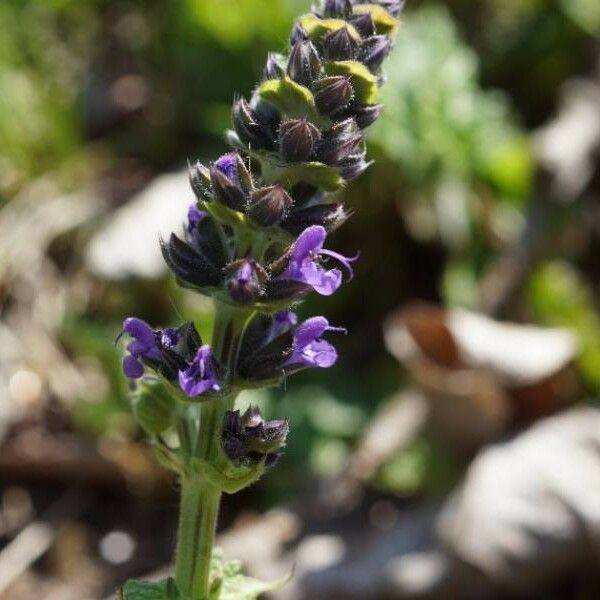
(317, 28)
(155, 407)
(145, 590)
(291, 98)
(313, 173)
(229, 583)
(385, 23)
(363, 81)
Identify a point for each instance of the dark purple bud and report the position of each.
(304, 64)
(340, 45)
(298, 33)
(363, 23)
(200, 181)
(298, 139)
(249, 127)
(330, 216)
(265, 348)
(339, 142)
(332, 94)
(354, 165)
(195, 215)
(248, 439)
(394, 7)
(374, 50)
(337, 8)
(192, 267)
(273, 68)
(269, 205)
(231, 181)
(244, 284)
(366, 115)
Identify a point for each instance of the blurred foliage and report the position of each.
(560, 297)
(438, 124)
(116, 84)
(424, 467)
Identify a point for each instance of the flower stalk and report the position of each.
(257, 242)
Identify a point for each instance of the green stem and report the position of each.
(200, 499)
(197, 524)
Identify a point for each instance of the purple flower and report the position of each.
(309, 349)
(305, 267)
(145, 345)
(283, 321)
(201, 376)
(195, 215)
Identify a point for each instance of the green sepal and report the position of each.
(385, 24)
(155, 406)
(314, 173)
(227, 477)
(229, 583)
(317, 28)
(145, 590)
(292, 99)
(223, 214)
(363, 81)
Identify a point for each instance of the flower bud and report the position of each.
(363, 23)
(339, 142)
(330, 216)
(337, 8)
(298, 139)
(200, 181)
(332, 94)
(273, 68)
(394, 7)
(244, 284)
(374, 51)
(192, 267)
(366, 115)
(353, 165)
(298, 33)
(249, 127)
(269, 205)
(248, 439)
(339, 45)
(231, 181)
(304, 64)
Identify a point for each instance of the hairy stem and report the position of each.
(200, 499)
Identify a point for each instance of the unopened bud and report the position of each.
(244, 283)
(304, 64)
(200, 181)
(339, 142)
(363, 23)
(332, 94)
(298, 139)
(374, 51)
(337, 8)
(340, 45)
(248, 126)
(269, 205)
(248, 439)
(367, 115)
(273, 68)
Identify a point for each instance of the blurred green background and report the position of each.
(99, 98)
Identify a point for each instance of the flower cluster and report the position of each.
(256, 238)
(248, 439)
